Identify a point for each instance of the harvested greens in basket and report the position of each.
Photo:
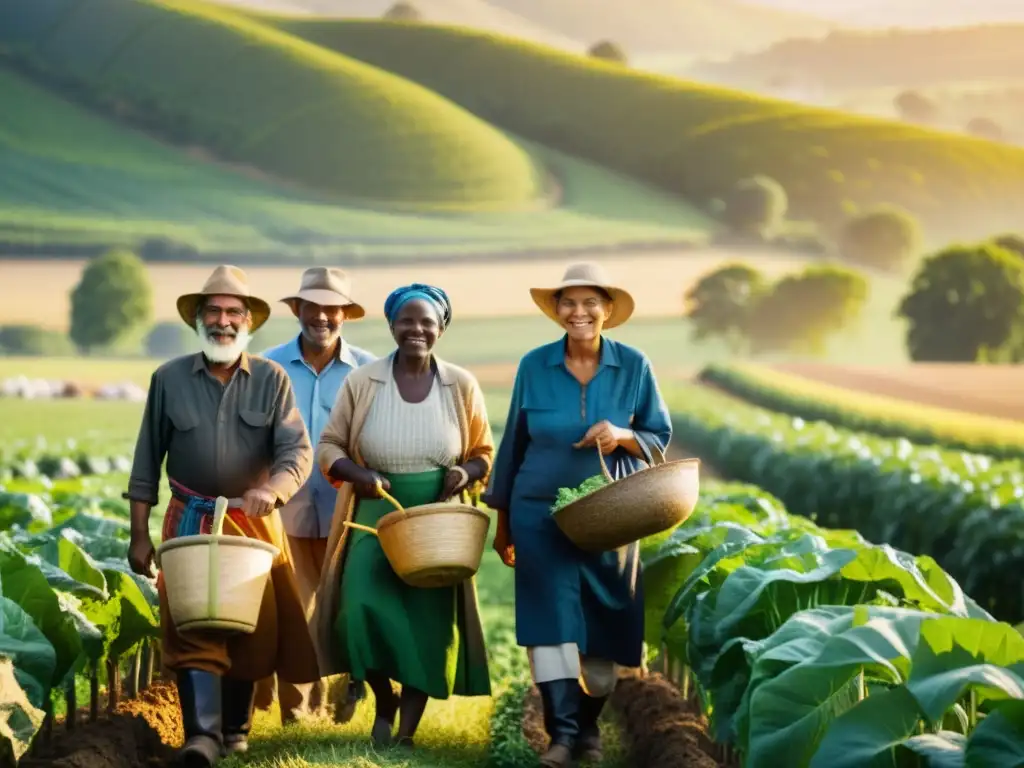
(567, 496)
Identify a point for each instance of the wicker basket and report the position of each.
(431, 545)
(647, 502)
(213, 581)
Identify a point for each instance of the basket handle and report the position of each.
(604, 467)
(385, 495)
(220, 516)
(359, 527)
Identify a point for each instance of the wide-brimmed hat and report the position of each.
(226, 280)
(328, 287)
(587, 275)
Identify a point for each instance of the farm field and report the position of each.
(740, 552)
(697, 140)
(993, 391)
(877, 414)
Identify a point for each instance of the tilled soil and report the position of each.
(662, 729)
(141, 733)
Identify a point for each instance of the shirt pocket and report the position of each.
(183, 418)
(254, 428)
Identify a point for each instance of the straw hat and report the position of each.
(591, 276)
(328, 287)
(226, 280)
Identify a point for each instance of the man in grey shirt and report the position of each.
(227, 425)
(317, 361)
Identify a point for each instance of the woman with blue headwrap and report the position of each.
(415, 426)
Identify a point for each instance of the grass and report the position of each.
(698, 140)
(70, 178)
(256, 96)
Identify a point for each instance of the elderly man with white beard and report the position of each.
(228, 425)
(317, 360)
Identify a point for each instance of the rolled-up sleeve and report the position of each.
(150, 447)
(333, 444)
(293, 453)
(652, 422)
(510, 452)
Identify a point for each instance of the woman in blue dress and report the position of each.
(579, 615)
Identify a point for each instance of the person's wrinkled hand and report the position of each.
(258, 502)
(455, 480)
(605, 435)
(141, 555)
(367, 486)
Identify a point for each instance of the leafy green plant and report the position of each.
(567, 496)
(812, 648)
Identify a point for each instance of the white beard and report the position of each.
(222, 353)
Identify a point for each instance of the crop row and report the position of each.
(812, 648)
(962, 509)
(885, 416)
(61, 459)
(69, 605)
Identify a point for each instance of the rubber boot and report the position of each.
(562, 708)
(238, 698)
(588, 747)
(200, 696)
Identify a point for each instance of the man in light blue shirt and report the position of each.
(317, 361)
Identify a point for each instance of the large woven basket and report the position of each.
(647, 502)
(431, 545)
(213, 581)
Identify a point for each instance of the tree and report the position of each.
(916, 107)
(801, 311)
(403, 12)
(112, 299)
(965, 304)
(755, 207)
(885, 237)
(985, 128)
(1011, 242)
(609, 51)
(721, 302)
(167, 340)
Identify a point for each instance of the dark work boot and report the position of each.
(237, 697)
(200, 695)
(588, 747)
(561, 709)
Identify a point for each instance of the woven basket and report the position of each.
(431, 545)
(647, 502)
(213, 581)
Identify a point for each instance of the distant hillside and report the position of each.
(691, 27)
(898, 58)
(683, 27)
(73, 183)
(906, 13)
(203, 76)
(478, 14)
(697, 140)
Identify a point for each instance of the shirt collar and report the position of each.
(343, 354)
(608, 353)
(199, 363)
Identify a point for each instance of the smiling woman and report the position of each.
(415, 426)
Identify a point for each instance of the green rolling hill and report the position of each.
(72, 181)
(697, 140)
(254, 96)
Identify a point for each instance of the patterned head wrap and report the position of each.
(435, 297)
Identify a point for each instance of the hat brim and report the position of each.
(623, 304)
(188, 303)
(325, 298)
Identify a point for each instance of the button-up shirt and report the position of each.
(221, 439)
(309, 513)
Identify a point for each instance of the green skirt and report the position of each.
(414, 636)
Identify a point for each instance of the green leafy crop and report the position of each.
(567, 496)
